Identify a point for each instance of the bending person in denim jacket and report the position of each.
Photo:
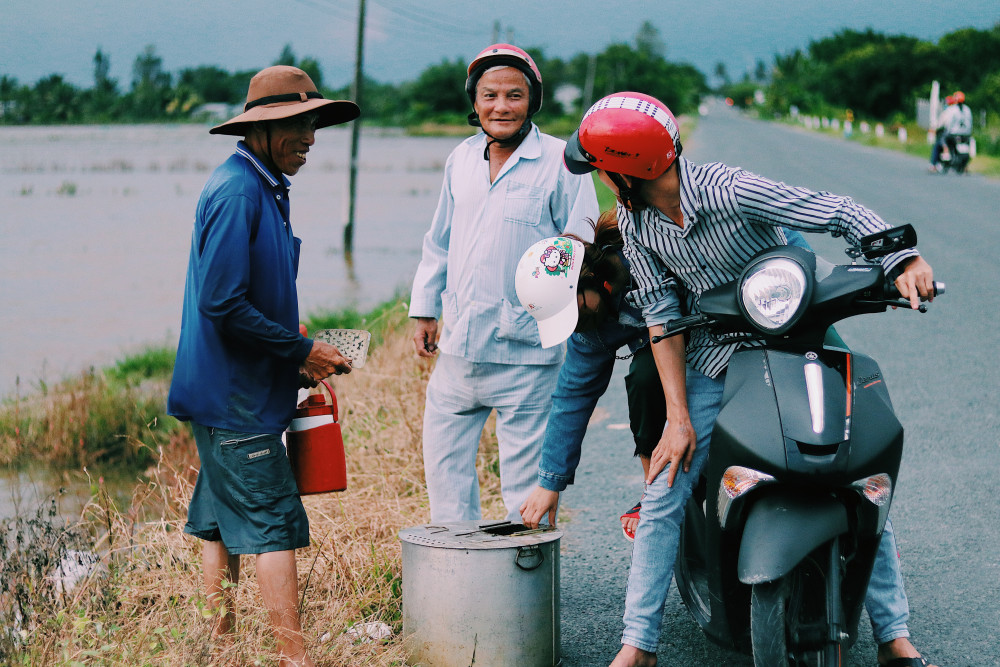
(607, 323)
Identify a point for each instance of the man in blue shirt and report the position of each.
(241, 358)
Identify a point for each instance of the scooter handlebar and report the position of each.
(892, 293)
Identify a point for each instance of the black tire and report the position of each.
(691, 570)
(769, 627)
(768, 603)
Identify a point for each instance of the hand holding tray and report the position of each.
(352, 343)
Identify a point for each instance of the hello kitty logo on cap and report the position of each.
(545, 281)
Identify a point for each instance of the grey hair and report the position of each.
(527, 81)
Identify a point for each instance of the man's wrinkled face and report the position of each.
(502, 101)
(290, 141)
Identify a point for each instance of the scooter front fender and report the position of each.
(783, 528)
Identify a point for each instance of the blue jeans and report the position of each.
(658, 534)
(460, 396)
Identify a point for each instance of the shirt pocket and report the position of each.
(259, 463)
(523, 204)
(449, 306)
(517, 325)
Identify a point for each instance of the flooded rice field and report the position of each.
(95, 226)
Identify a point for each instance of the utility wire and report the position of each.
(332, 9)
(422, 17)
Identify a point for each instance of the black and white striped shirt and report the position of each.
(729, 216)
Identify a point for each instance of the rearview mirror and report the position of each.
(889, 241)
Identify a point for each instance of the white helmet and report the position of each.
(545, 280)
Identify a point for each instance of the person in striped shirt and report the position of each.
(699, 225)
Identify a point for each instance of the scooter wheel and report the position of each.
(767, 623)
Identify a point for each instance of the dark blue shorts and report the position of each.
(245, 495)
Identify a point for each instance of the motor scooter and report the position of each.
(780, 535)
(957, 153)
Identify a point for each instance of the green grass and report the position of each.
(145, 604)
(117, 415)
(381, 319)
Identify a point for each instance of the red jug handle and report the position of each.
(333, 397)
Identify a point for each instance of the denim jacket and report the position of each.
(583, 379)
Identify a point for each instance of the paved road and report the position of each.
(944, 381)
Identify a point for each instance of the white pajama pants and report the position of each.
(460, 397)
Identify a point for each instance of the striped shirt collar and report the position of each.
(244, 150)
(690, 202)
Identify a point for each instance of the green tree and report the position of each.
(150, 85)
(439, 91)
(213, 84)
(55, 100)
(878, 79)
(101, 103)
(649, 42)
(874, 74)
(311, 67)
(621, 67)
(969, 56)
(721, 73)
(287, 57)
(11, 95)
(760, 72)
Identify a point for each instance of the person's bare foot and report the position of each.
(897, 648)
(224, 624)
(304, 661)
(630, 656)
(630, 524)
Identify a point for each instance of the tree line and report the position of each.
(880, 77)
(875, 75)
(437, 95)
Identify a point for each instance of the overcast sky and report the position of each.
(42, 37)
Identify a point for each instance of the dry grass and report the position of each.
(145, 606)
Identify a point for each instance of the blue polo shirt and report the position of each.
(240, 350)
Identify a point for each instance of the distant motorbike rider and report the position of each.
(954, 122)
(939, 136)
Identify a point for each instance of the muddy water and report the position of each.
(95, 225)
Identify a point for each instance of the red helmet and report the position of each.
(958, 96)
(625, 133)
(949, 100)
(506, 55)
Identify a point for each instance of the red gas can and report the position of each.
(316, 446)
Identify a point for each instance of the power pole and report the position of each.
(588, 85)
(355, 134)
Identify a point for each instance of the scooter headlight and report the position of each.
(878, 490)
(773, 293)
(737, 481)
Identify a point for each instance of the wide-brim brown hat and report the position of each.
(282, 92)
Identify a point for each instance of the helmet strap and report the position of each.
(624, 189)
(511, 141)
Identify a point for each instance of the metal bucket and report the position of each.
(481, 593)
